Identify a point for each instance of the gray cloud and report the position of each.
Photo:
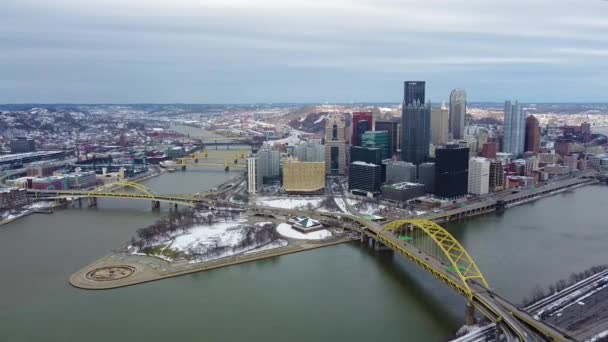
(300, 51)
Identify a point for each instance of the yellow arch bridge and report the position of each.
(117, 190)
(434, 249)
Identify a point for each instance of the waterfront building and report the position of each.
(377, 139)
(496, 177)
(451, 171)
(254, 175)
(392, 127)
(426, 176)
(479, 176)
(335, 146)
(303, 177)
(402, 192)
(416, 124)
(12, 197)
(22, 145)
(514, 128)
(310, 152)
(306, 224)
(458, 111)
(440, 125)
(532, 141)
(399, 171)
(364, 178)
(362, 122)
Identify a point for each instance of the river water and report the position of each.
(341, 293)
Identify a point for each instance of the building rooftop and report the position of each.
(364, 164)
(404, 185)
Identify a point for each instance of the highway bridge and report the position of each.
(435, 250)
(117, 190)
(421, 241)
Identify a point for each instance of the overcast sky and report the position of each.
(240, 51)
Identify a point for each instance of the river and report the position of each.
(341, 293)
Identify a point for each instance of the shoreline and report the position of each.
(149, 268)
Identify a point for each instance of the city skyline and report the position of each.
(259, 52)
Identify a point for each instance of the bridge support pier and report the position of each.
(175, 207)
(470, 314)
(92, 201)
(183, 167)
(364, 239)
(155, 205)
(80, 202)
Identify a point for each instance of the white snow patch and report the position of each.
(341, 204)
(598, 336)
(221, 234)
(40, 205)
(289, 203)
(287, 231)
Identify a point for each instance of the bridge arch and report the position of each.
(125, 184)
(425, 233)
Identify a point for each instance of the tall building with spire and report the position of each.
(458, 111)
(514, 128)
(416, 124)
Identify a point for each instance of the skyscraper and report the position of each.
(532, 142)
(379, 139)
(391, 126)
(458, 111)
(413, 93)
(440, 125)
(335, 146)
(451, 171)
(514, 128)
(416, 124)
(362, 122)
(479, 176)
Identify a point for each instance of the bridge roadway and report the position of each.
(508, 198)
(516, 324)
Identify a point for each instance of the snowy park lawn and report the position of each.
(202, 243)
(287, 231)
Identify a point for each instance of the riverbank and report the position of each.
(138, 269)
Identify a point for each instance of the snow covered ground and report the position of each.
(287, 231)
(341, 204)
(40, 205)
(290, 202)
(199, 237)
(205, 243)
